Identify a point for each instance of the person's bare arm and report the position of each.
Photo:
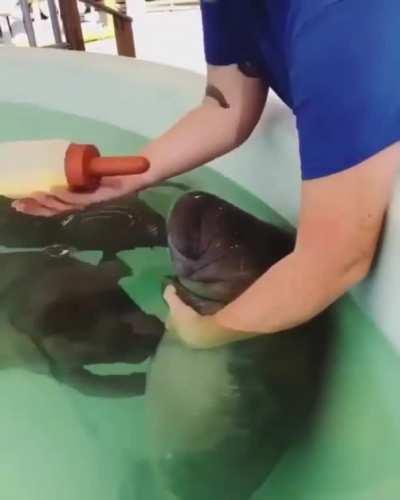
(229, 112)
(340, 222)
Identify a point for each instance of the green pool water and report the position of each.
(58, 443)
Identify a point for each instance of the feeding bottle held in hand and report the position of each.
(29, 166)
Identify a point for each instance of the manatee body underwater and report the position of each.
(133, 223)
(221, 419)
(60, 315)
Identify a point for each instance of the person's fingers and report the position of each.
(170, 296)
(40, 203)
(70, 197)
(61, 199)
(175, 304)
(169, 327)
(31, 207)
(51, 202)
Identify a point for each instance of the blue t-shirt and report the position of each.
(335, 63)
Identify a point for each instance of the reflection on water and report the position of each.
(99, 404)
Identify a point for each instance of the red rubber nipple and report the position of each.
(85, 167)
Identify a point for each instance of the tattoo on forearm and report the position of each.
(249, 69)
(214, 92)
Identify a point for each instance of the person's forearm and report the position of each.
(292, 292)
(199, 137)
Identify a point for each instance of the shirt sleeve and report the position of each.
(345, 81)
(226, 40)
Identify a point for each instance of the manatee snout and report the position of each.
(217, 249)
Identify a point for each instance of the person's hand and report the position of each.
(61, 199)
(195, 330)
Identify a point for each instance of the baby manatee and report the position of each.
(221, 419)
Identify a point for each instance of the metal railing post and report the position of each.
(54, 21)
(26, 14)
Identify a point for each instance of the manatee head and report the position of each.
(218, 250)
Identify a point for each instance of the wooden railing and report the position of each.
(73, 30)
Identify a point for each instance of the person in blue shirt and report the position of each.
(336, 64)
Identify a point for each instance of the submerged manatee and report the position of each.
(109, 226)
(221, 419)
(64, 314)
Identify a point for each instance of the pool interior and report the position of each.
(60, 443)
